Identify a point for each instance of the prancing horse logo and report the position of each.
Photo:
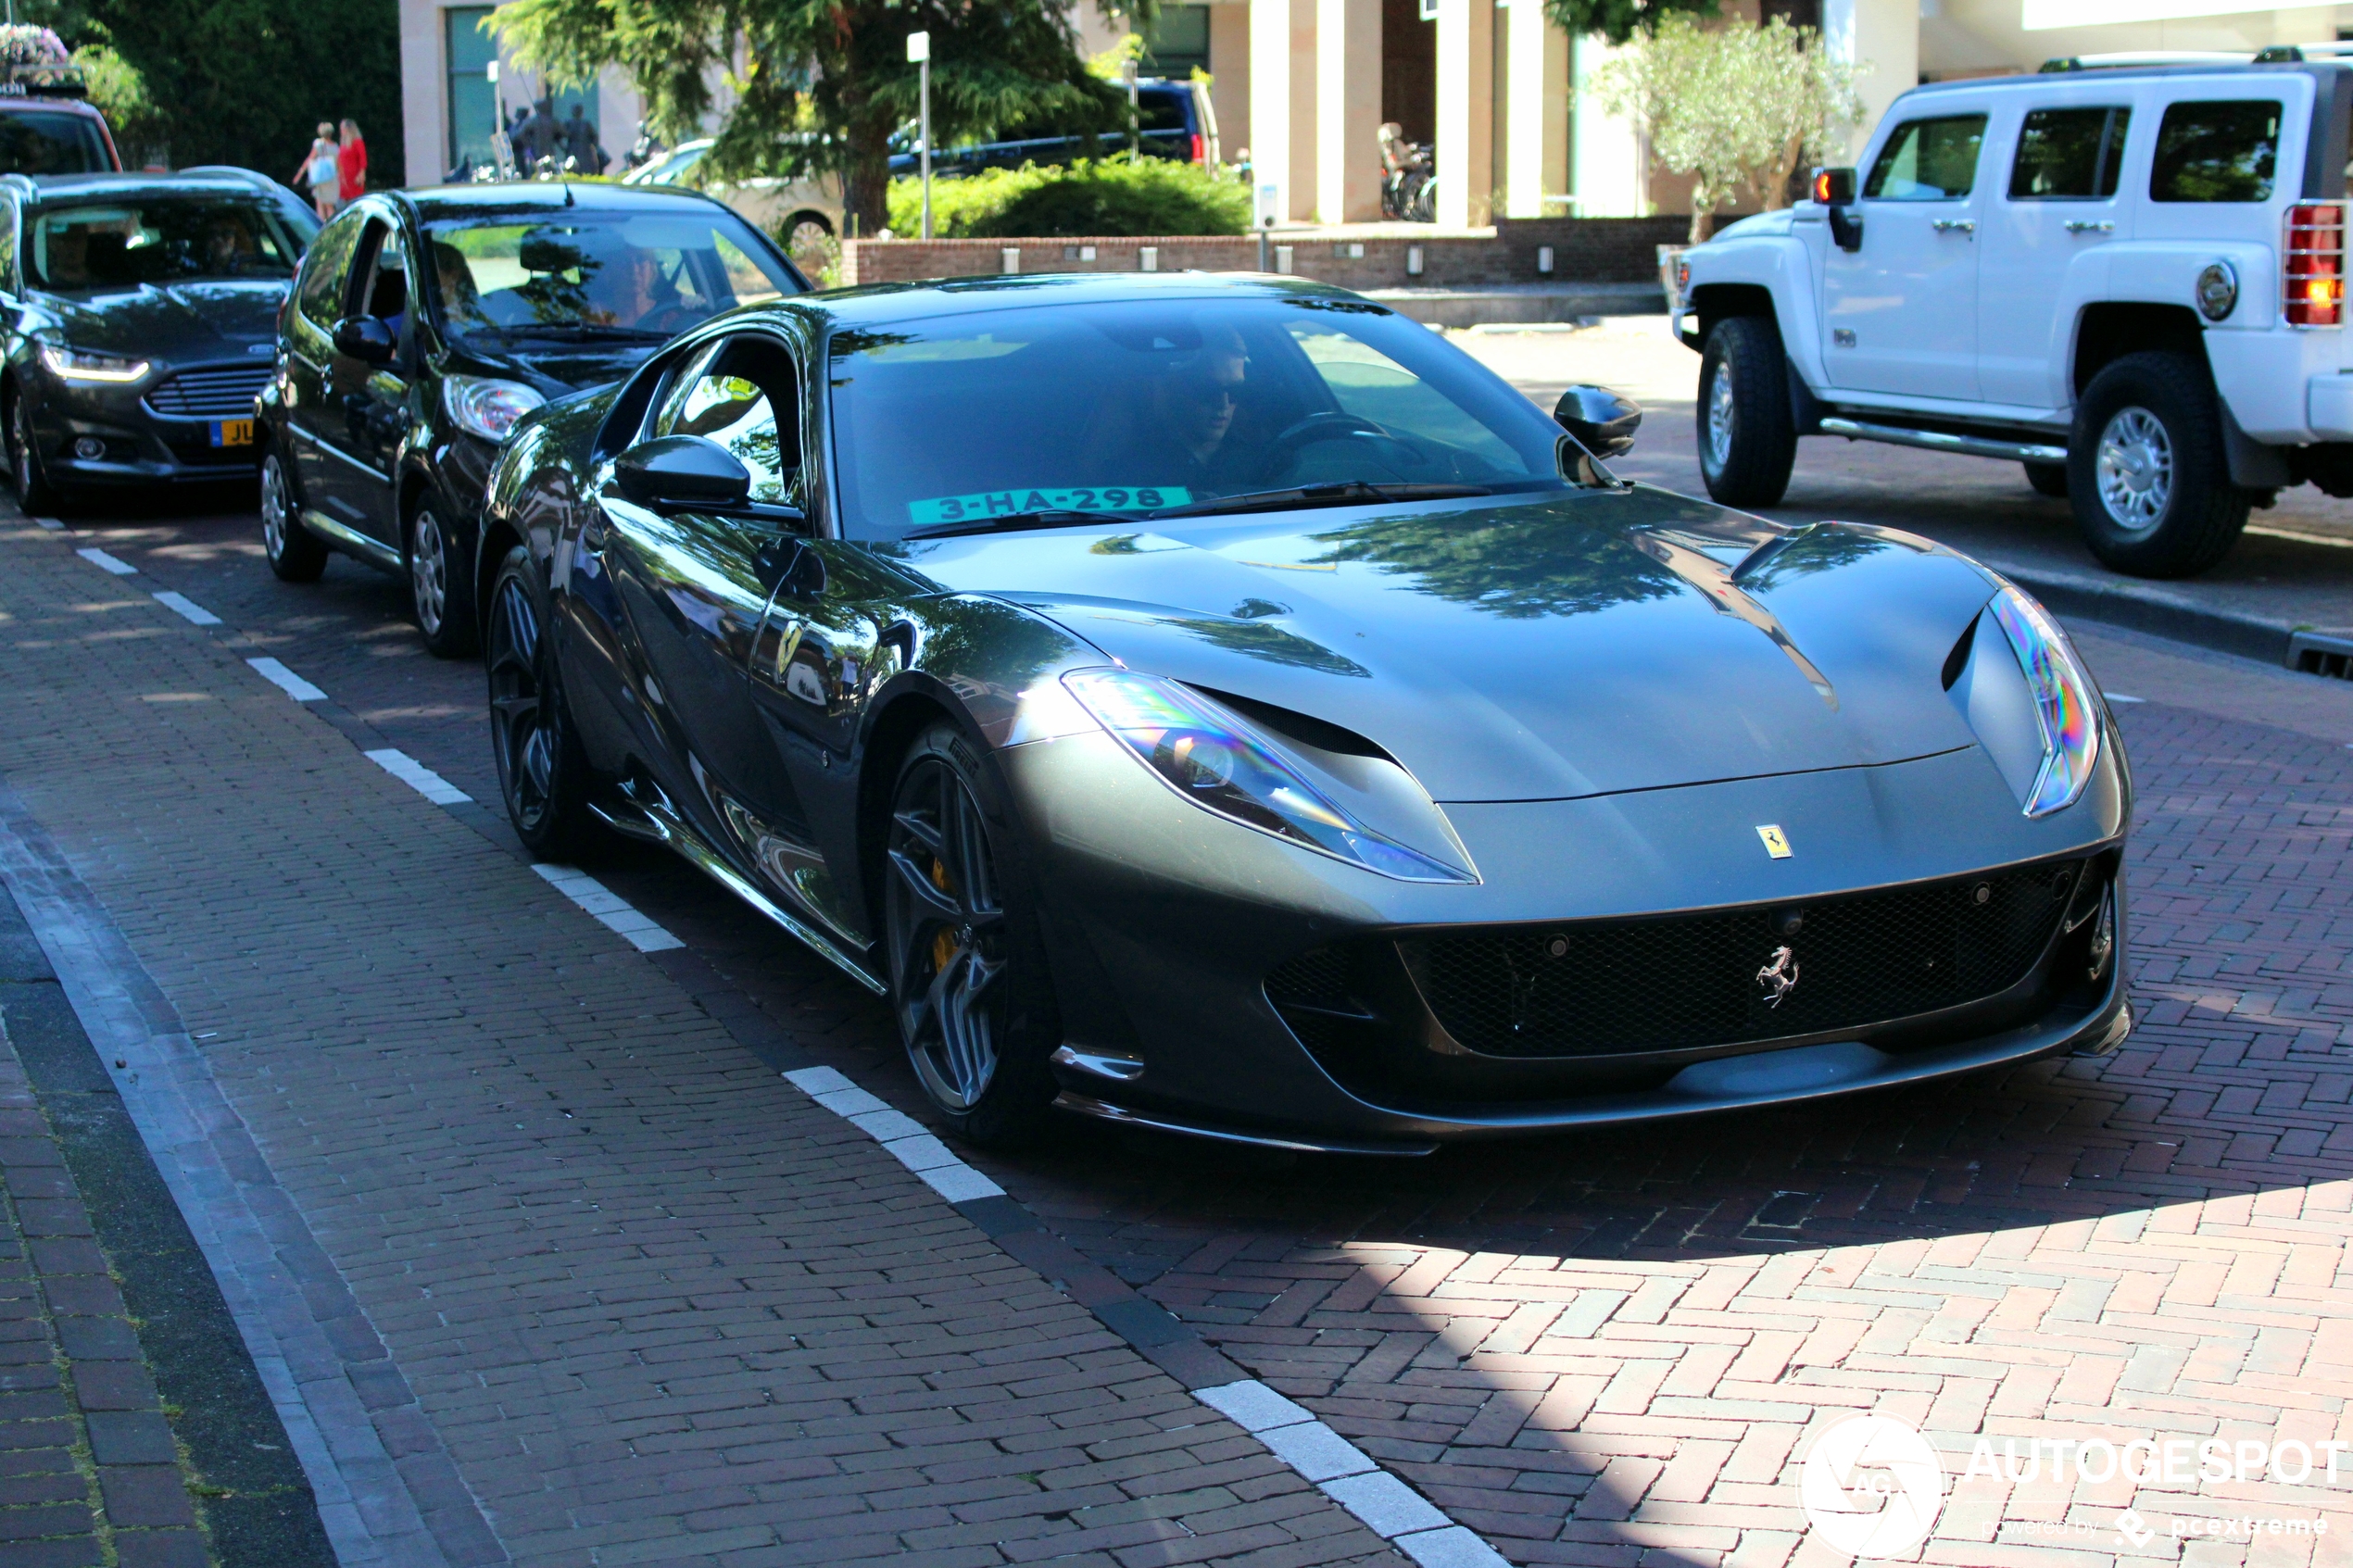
(1779, 976)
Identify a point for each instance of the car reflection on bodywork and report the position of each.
(1221, 705)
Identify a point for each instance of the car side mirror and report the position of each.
(366, 339)
(1603, 421)
(1834, 188)
(682, 474)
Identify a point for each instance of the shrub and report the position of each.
(1113, 197)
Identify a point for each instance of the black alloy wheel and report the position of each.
(967, 972)
(1747, 435)
(441, 586)
(541, 776)
(295, 554)
(34, 492)
(2148, 470)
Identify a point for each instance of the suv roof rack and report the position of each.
(43, 79)
(2288, 54)
(2127, 60)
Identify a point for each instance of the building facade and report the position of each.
(1304, 85)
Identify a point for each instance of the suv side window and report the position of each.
(1929, 160)
(2216, 152)
(326, 272)
(2068, 154)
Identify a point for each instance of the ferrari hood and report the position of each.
(1519, 649)
(184, 323)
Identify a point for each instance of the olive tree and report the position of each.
(1737, 106)
(818, 86)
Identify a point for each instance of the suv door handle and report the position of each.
(1955, 225)
(2087, 226)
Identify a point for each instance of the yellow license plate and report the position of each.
(233, 433)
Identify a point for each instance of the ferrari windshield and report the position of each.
(162, 240)
(1145, 405)
(645, 274)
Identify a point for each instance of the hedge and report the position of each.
(1113, 197)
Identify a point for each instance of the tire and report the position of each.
(543, 773)
(804, 236)
(2146, 469)
(968, 979)
(36, 495)
(2048, 479)
(441, 586)
(1747, 437)
(295, 554)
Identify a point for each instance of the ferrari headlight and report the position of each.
(2064, 704)
(1214, 760)
(487, 407)
(76, 364)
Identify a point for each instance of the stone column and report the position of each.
(1611, 179)
(1885, 36)
(1535, 154)
(1282, 102)
(1229, 73)
(1466, 112)
(1347, 170)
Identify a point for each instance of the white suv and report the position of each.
(2129, 277)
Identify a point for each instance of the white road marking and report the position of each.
(1389, 1508)
(612, 911)
(417, 776)
(187, 608)
(105, 562)
(50, 523)
(286, 679)
(902, 1136)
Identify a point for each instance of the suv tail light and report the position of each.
(1200, 148)
(2312, 284)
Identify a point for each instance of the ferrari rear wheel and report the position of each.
(968, 979)
(543, 778)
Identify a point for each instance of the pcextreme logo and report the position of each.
(1872, 1486)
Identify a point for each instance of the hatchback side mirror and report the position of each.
(682, 474)
(1603, 421)
(366, 339)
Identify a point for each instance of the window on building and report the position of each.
(2216, 152)
(474, 111)
(1177, 43)
(1929, 160)
(2069, 154)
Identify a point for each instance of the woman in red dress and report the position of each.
(351, 163)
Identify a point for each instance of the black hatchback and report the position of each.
(426, 323)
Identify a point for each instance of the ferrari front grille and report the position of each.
(225, 393)
(1735, 976)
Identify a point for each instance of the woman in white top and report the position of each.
(318, 172)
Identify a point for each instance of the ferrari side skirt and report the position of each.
(656, 822)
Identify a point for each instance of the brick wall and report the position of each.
(1585, 250)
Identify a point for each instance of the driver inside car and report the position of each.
(1181, 423)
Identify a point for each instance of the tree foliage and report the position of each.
(1738, 106)
(818, 86)
(1618, 20)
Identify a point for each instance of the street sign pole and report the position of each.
(919, 51)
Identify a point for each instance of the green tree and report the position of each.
(1737, 106)
(820, 85)
(1618, 20)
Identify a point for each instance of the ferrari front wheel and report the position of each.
(968, 981)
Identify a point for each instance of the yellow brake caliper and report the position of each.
(943, 943)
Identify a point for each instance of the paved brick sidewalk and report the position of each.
(651, 1302)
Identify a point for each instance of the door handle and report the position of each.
(1956, 226)
(2087, 226)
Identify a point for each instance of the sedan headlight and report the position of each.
(1218, 762)
(487, 407)
(77, 364)
(2064, 702)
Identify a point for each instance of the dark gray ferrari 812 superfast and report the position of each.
(1220, 704)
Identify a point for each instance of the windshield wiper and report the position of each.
(1006, 521)
(1345, 492)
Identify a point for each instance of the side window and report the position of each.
(8, 246)
(2218, 152)
(325, 272)
(386, 291)
(1928, 160)
(2069, 154)
(741, 393)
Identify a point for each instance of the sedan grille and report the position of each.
(225, 393)
(1683, 981)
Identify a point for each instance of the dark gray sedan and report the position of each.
(1222, 704)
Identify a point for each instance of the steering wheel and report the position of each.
(1327, 426)
(670, 318)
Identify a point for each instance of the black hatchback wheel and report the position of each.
(967, 972)
(34, 492)
(541, 775)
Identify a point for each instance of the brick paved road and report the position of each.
(1610, 1348)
